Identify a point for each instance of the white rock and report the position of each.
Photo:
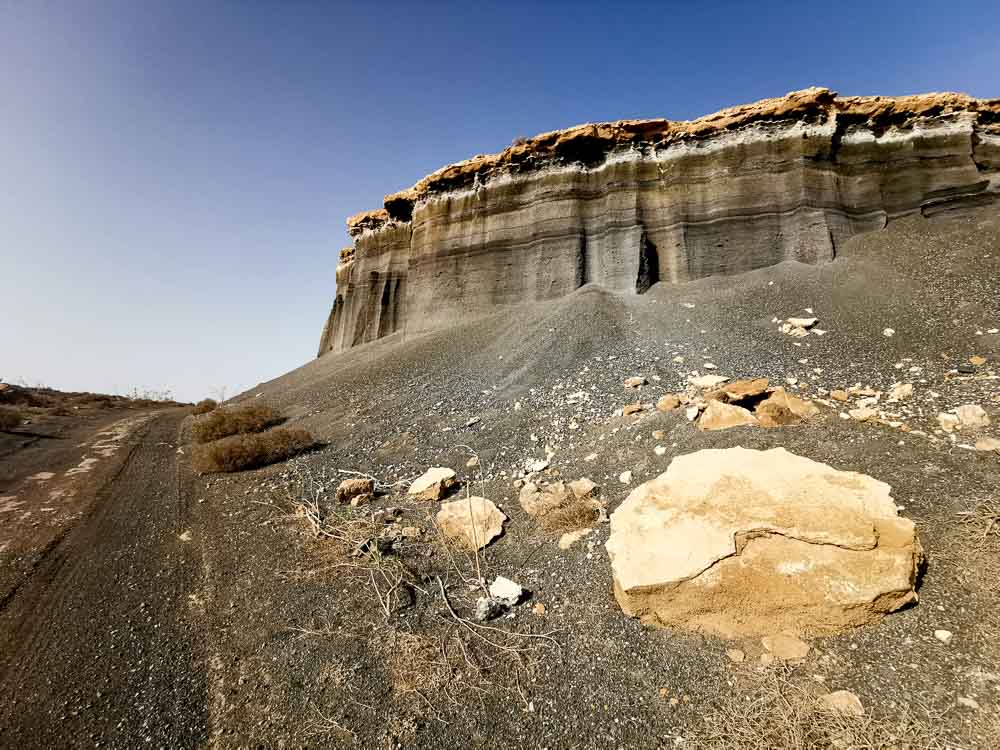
(901, 392)
(944, 636)
(843, 702)
(947, 421)
(506, 591)
(707, 381)
(625, 477)
(433, 483)
(660, 450)
(888, 332)
(803, 322)
(692, 413)
(967, 702)
(972, 416)
(534, 465)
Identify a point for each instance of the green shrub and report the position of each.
(236, 421)
(241, 452)
(205, 406)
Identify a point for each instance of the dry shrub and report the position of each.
(205, 406)
(240, 452)
(575, 514)
(222, 423)
(773, 712)
(9, 418)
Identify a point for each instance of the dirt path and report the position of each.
(95, 646)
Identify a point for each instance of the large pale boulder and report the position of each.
(740, 542)
(473, 522)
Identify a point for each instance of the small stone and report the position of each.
(570, 538)
(888, 332)
(692, 413)
(972, 416)
(660, 450)
(539, 609)
(901, 392)
(863, 414)
(967, 702)
(361, 499)
(411, 532)
(583, 488)
(535, 465)
(947, 421)
(487, 608)
(785, 646)
(433, 484)
(802, 322)
(635, 382)
(839, 395)
(185, 536)
(782, 408)
(473, 421)
(506, 591)
(625, 477)
(988, 444)
(590, 457)
(629, 409)
(351, 488)
(736, 655)
(843, 702)
(472, 462)
(944, 636)
(473, 521)
(707, 381)
(669, 402)
(977, 360)
(720, 416)
(659, 434)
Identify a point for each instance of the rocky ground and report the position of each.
(276, 616)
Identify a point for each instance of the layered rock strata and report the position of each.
(632, 203)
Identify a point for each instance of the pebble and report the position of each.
(944, 636)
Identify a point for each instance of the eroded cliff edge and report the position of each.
(632, 203)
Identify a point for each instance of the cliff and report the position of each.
(632, 203)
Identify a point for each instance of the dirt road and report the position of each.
(96, 648)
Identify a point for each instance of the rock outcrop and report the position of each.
(631, 203)
(740, 542)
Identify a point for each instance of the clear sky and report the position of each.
(175, 175)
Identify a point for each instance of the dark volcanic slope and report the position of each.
(394, 407)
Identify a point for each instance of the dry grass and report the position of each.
(242, 420)
(205, 406)
(241, 452)
(9, 418)
(575, 514)
(774, 712)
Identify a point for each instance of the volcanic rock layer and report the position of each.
(632, 203)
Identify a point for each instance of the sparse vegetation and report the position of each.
(774, 711)
(205, 406)
(9, 418)
(250, 451)
(222, 423)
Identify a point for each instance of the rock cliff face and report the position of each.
(632, 203)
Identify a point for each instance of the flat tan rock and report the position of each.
(739, 390)
(669, 402)
(840, 395)
(635, 382)
(707, 381)
(842, 702)
(720, 416)
(570, 538)
(782, 408)
(433, 484)
(785, 646)
(473, 522)
(740, 542)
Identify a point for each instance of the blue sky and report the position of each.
(176, 175)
